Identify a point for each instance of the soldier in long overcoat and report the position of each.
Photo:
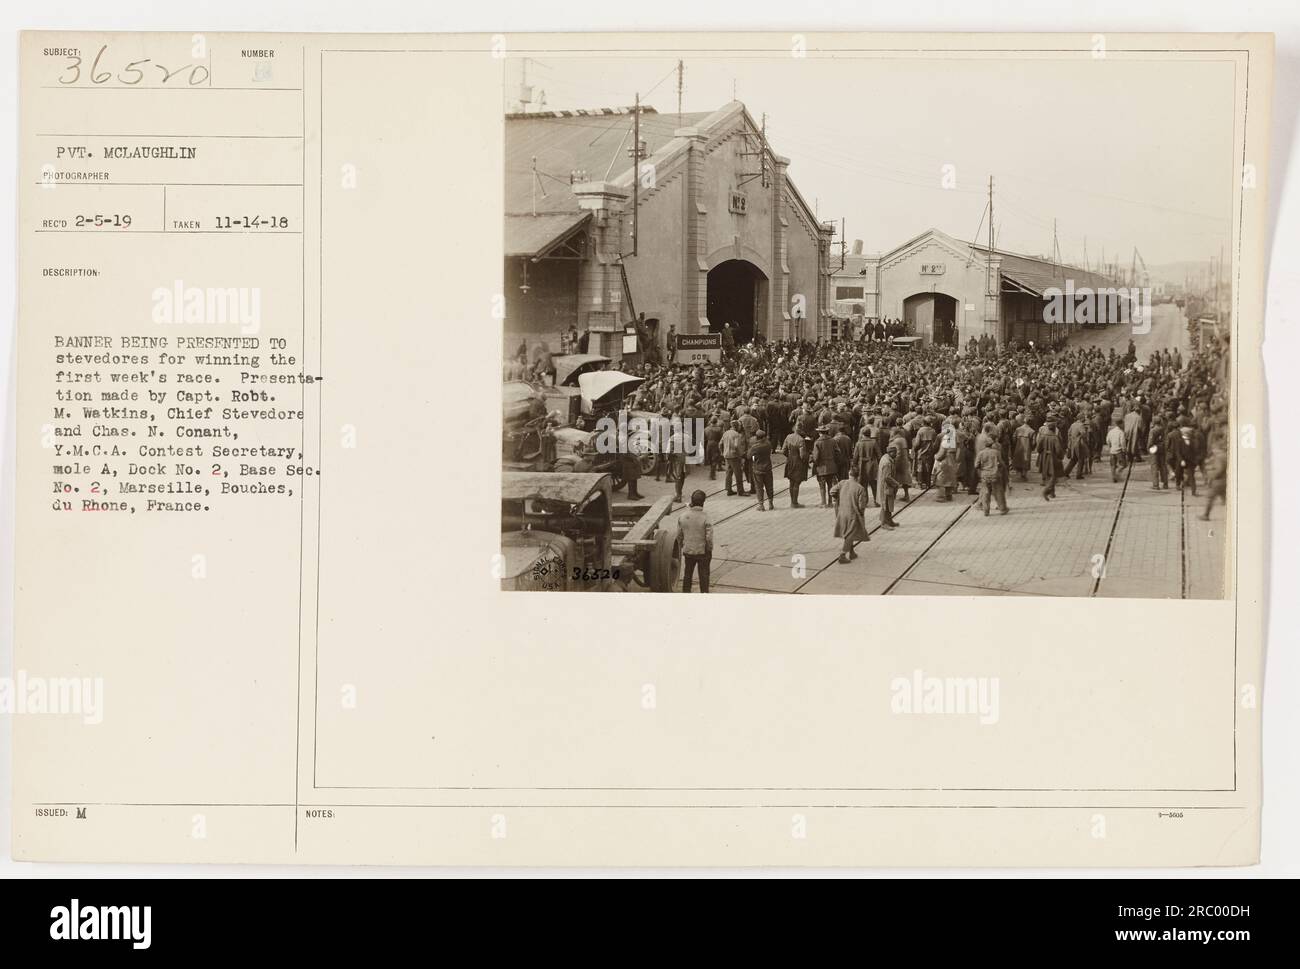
(796, 464)
(945, 472)
(850, 500)
(866, 458)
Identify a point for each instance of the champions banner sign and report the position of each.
(699, 348)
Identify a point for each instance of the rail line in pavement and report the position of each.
(1110, 539)
(925, 551)
(870, 531)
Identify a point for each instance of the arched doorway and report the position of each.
(737, 293)
(932, 315)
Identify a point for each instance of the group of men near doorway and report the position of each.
(881, 329)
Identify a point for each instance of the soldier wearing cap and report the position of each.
(1049, 450)
(1185, 455)
(988, 464)
(823, 459)
(887, 486)
(760, 468)
(796, 465)
(850, 500)
(734, 453)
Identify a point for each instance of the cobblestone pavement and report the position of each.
(1168, 330)
(1096, 538)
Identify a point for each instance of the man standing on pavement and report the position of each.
(866, 458)
(850, 499)
(796, 465)
(748, 427)
(823, 458)
(843, 452)
(966, 457)
(1133, 435)
(1022, 449)
(630, 465)
(1115, 441)
(806, 426)
(713, 447)
(1049, 453)
(1159, 456)
(887, 487)
(696, 534)
(902, 460)
(1077, 448)
(734, 454)
(677, 460)
(988, 465)
(760, 467)
(1185, 456)
(945, 472)
(924, 446)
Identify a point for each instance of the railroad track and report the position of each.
(1114, 524)
(1120, 503)
(918, 494)
(926, 551)
(898, 510)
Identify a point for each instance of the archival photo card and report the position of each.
(339, 353)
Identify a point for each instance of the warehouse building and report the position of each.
(948, 291)
(721, 234)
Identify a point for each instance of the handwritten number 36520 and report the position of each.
(132, 73)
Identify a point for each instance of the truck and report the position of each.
(563, 532)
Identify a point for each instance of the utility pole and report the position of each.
(990, 284)
(991, 215)
(636, 172)
(680, 69)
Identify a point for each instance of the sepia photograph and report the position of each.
(868, 325)
(955, 330)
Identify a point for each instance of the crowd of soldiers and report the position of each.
(870, 422)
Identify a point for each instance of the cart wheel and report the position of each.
(646, 462)
(665, 561)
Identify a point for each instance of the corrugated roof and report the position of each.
(1038, 275)
(596, 144)
(535, 235)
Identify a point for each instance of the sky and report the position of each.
(1119, 153)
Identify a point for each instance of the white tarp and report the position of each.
(596, 385)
